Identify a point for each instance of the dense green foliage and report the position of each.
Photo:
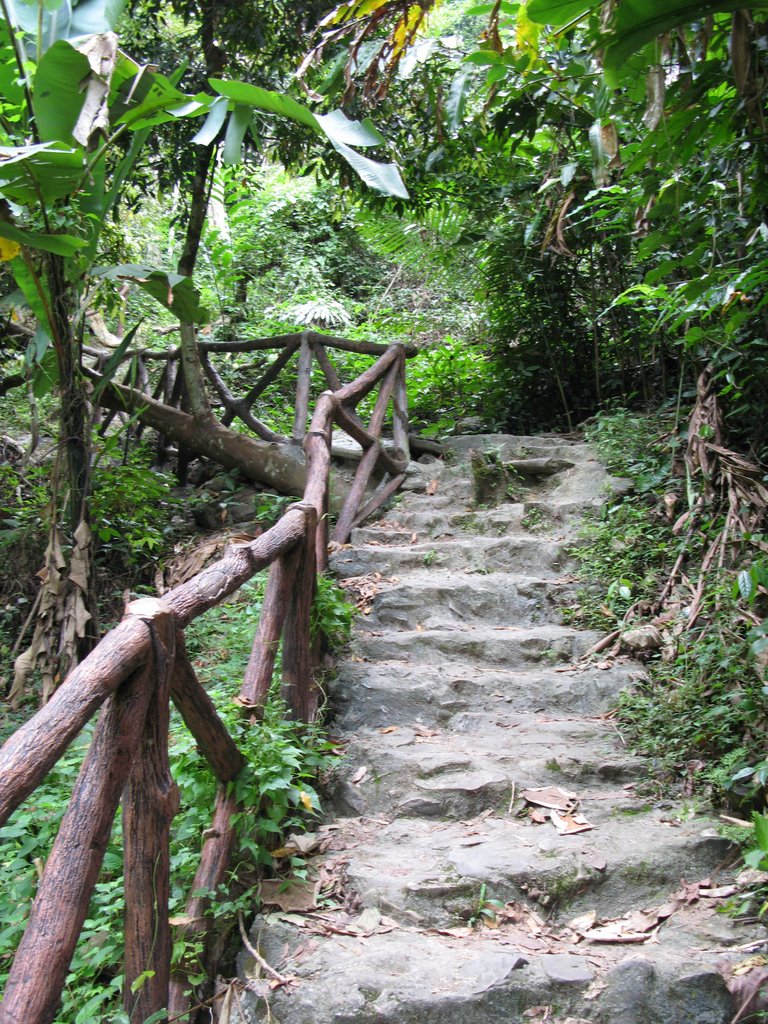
(701, 715)
(277, 790)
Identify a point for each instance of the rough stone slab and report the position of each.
(437, 599)
(462, 690)
(380, 694)
(522, 554)
(507, 647)
(421, 978)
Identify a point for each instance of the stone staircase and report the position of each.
(443, 892)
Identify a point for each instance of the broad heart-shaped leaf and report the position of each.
(65, 19)
(173, 291)
(62, 245)
(558, 12)
(50, 168)
(58, 96)
(635, 23)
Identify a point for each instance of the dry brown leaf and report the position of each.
(295, 895)
(552, 797)
(719, 893)
(388, 729)
(432, 487)
(569, 824)
(359, 775)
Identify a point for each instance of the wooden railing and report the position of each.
(133, 674)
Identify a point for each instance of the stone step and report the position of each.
(510, 647)
(396, 693)
(529, 517)
(621, 865)
(404, 976)
(438, 599)
(522, 554)
(476, 763)
(462, 688)
(394, 975)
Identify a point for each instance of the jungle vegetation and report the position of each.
(562, 203)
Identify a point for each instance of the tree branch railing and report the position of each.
(142, 664)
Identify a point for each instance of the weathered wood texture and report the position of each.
(150, 802)
(142, 664)
(211, 873)
(33, 989)
(201, 718)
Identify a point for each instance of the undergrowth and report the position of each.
(276, 790)
(701, 713)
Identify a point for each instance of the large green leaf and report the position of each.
(62, 245)
(50, 169)
(558, 12)
(115, 360)
(339, 128)
(63, 19)
(274, 102)
(382, 177)
(336, 126)
(149, 98)
(637, 22)
(239, 120)
(58, 95)
(173, 291)
(216, 117)
(31, 289)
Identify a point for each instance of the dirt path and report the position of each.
(490, 826)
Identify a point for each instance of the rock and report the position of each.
(567, 970)
(642, 638)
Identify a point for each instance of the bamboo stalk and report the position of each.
(211, 873)
(356, 492)
(261, 664)
(379, 496)
(400, 414)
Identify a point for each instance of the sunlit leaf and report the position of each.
(58, 94)
(63, 245)
(175, 292)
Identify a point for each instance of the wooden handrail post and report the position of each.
(33, 989)
(201, 718)
(299, 689)
(211, 873)
(261, 664)
(150, 801)
(317, 448)
(302, 390)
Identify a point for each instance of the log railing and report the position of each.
(133, 674)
